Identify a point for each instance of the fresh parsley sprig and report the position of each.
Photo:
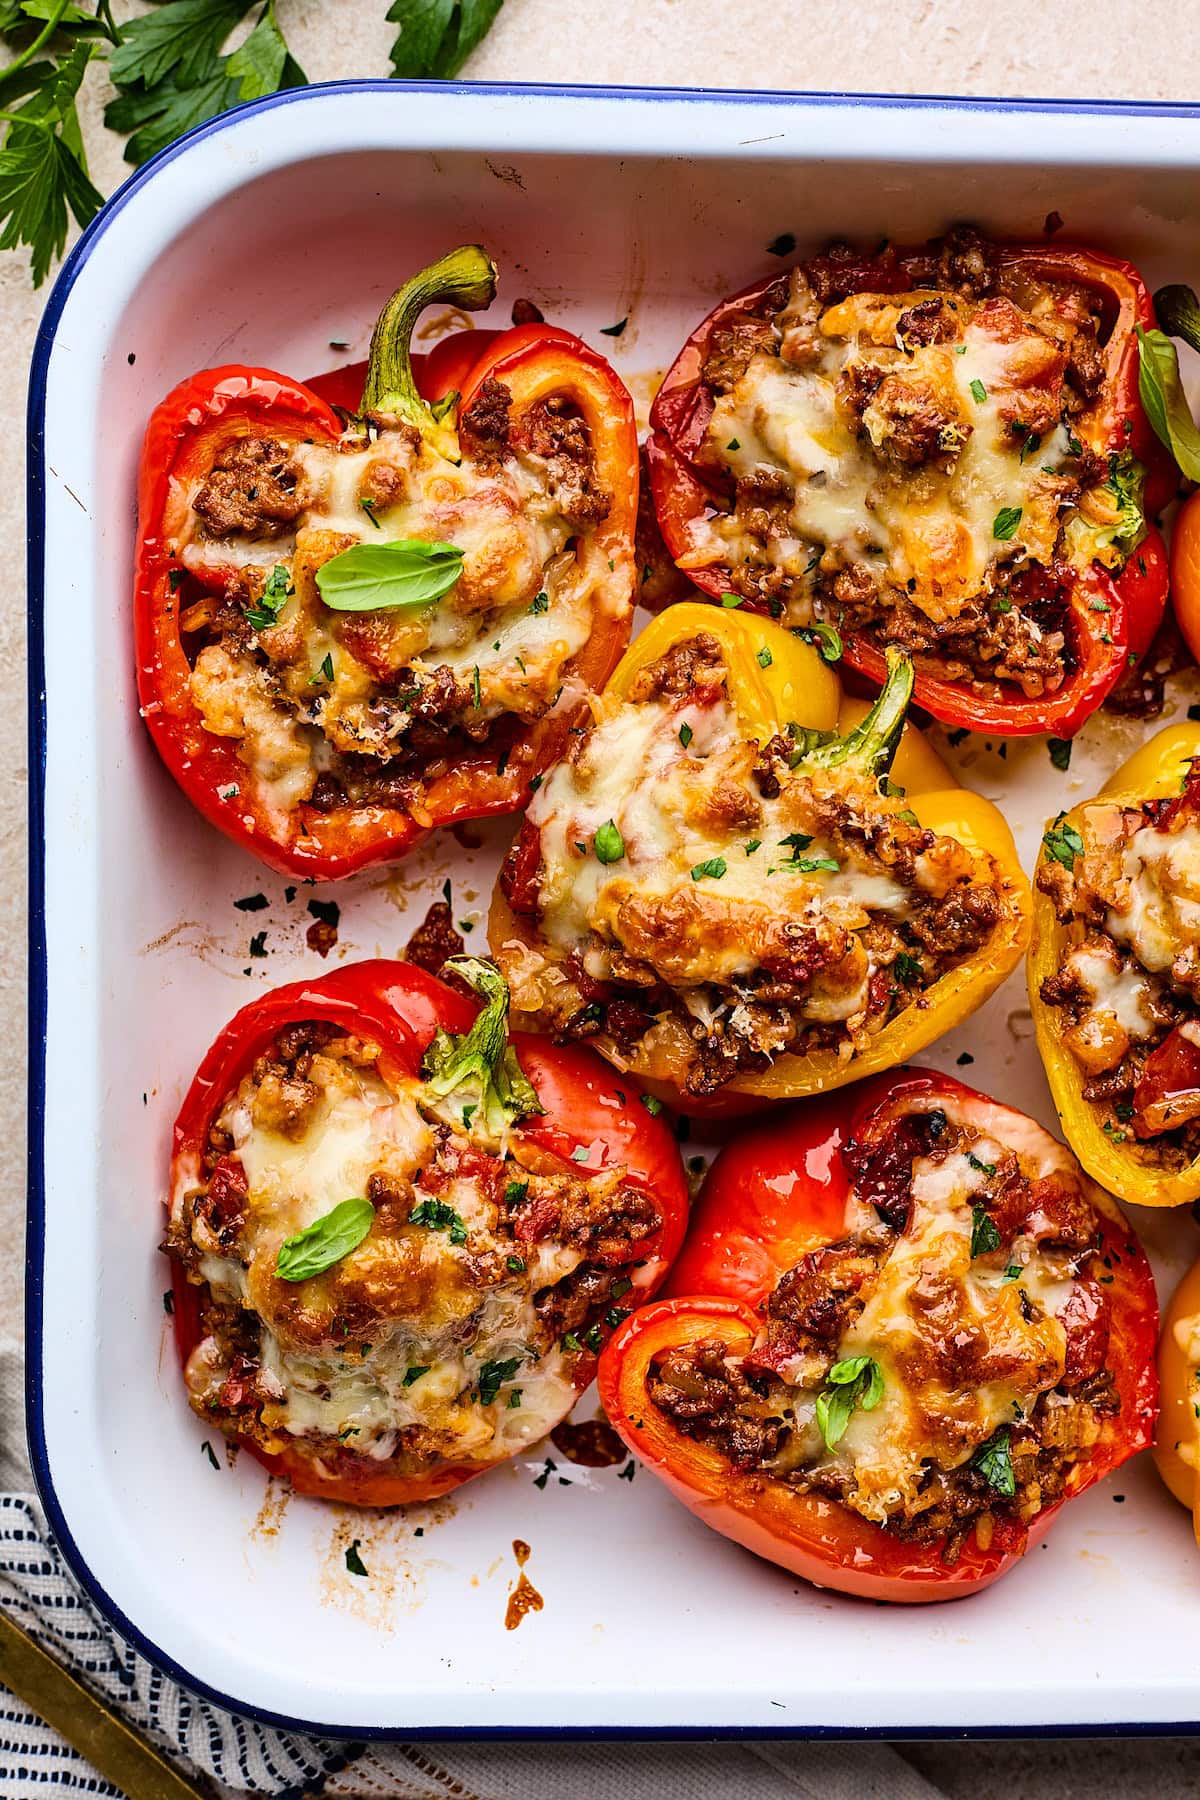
(172, 71)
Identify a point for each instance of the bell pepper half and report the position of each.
(205, 415)
(1114, 605)
(1177, 1440)
(776, 683)
(521, 1110)
(1121, 1134)
(941, 1387)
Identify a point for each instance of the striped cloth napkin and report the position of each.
(40, 1594)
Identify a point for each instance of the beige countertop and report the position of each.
(996, 47)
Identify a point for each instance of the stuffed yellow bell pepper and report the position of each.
(742, 886)
(1114, 973)
(1177, 1440)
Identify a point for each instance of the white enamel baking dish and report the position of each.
(260, 239)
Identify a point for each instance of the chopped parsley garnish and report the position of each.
(581, 1153)
(540, 602)
(571, 1343)
(984, 1236)
(1062, 843)
(1060, 752)
(206, 1449)
(354, 1562)
(1004, 525)
(731, 599)
(608, 843)
(324, 673)
(765, 659)
(796, 841)
(783, 245)
(994, 1462)
(493, 1375)
(515, 1265)
(258, 944)
(621, 1287)
(751, 845)
(615, 330)
(415, 1372)
(733, 444)
(476, 689)
(815, 865)
(628, 1472)
(652, 1104)
(686, 734)
(514, 1399)
(963, 1058)
(437, 1215)
(368, 507)
(328, 912)
(1012, 1273)
(714, 868)
(908, 968)
(272, 600)
(252, 903)
(516, 1193)
(982, 1167)
(978, 392)
(858, 1381)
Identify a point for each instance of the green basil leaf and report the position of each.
(325, 1241)
(1004, 525)
(1162, 395)
(994, 1462)
(856, 1381)
(404, 572)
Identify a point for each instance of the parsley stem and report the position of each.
(465, 277)
(30, 51)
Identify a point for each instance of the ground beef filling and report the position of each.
(1015, 631)
(755, 1407)
(594, 1226)
(402, 727)
(1132, 1030)
(743, 1025)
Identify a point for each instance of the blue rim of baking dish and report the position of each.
(36, 1216)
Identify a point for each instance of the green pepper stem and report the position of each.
(1178, 312)
(875, 739)
(465, 277)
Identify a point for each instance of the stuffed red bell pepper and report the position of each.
(399, 1237)
(907, 1330)
(352, 627)
(941, 450)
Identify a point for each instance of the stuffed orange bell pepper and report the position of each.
(904, 1330)
(1177, 1441)
(727, 893)
(355, 625)
(1114, 973)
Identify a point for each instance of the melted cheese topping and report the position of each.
(1119, 991)
(523, 607)
(706, 881)
(426, 1313)
(928, 531)
(926, 1414)
(964, 1346)
(1159, 912)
